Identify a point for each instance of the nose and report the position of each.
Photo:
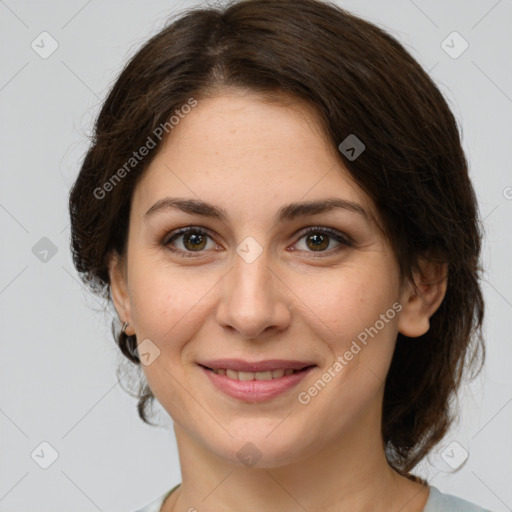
(255, 302)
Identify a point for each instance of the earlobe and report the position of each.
(420, 304)
(118, 288)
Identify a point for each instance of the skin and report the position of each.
(251, 157)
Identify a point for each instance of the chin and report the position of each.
(261, 452)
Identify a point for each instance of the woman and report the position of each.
(277, 204)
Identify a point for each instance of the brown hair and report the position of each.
(359, 80)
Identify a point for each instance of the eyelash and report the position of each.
(332, 233)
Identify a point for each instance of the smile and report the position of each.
(255, 386)
(269, 375)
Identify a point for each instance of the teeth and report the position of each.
(245, 375)
(268, 375)
(232, 374)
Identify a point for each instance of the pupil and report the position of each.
(195, 240)
(319, 240)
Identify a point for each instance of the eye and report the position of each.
(194, 240)
(317, 239)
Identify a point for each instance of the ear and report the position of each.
(119, 290)
(418, 306)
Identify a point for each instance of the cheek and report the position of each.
(169, 306)
(160, 294)
(345, 301)
(352, 312)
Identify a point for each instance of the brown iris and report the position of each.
(196, 240)
(319, 241)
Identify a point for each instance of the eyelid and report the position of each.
(181, 231)
(333, 233)
(176, 233)
(340, 237)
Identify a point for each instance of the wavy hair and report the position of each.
(360, 80)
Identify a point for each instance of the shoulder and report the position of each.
(440, 502)
(436, 502)
(154, 506)
(157, 503)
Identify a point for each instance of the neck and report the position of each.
(351, 474)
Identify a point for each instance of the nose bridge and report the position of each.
(250, 280)
(251, 300)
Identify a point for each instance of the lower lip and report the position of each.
(256, 390)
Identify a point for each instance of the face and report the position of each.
(253, 279)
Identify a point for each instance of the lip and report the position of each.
(255, 390)
(256, 366)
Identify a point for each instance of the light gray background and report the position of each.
(58, 359)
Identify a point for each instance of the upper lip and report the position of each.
(255, 366)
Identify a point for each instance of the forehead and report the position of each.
(242, 151)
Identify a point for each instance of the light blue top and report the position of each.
(436, 502)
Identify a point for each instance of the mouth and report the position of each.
(261, 375)
(255, 382)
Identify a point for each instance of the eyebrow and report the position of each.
(287, 212)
